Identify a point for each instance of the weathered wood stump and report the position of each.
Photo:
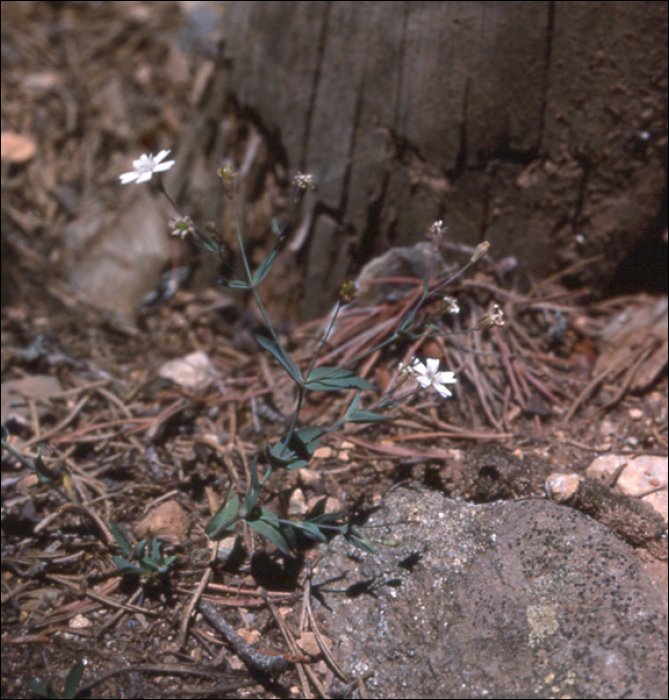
(538, 126)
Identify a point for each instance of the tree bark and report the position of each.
(538, 126)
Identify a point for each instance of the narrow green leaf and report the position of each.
(72, 680)
(335, 379)
(224, 520)
(310, 437)
(275, 227)
(125, 567)
(272, 533)
(254, 486)
(139, 550)
(286, 530)
(281, 356)
(238, 284)
(281, 456)
(353, 415)
(310, 529)
(302, 446)
(210, 245)
(364, 417)
(41, 469)
(121, 539)
(252, 492)
(36, 687)
(167, 563)
(327, 518)
(408, 320)
(264, 268)
(365, 545)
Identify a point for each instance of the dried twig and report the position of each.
(257, 662)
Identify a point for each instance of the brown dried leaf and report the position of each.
(17, 148)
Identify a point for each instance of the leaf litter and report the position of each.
(128, 442)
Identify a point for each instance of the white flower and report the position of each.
(304, 181)
(497, 315)
(144, 168)
(429, 375)
(181, 226)
(494, 318)
(438, 228)
(403, 369)
(451, 306)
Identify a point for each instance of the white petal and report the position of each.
(160, 156)
(127, 177)
(432, 364)
(446, 378)
(163, 166)
(418, 367)
(443, 391)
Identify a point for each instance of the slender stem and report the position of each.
(270, 327)
(249, 277)
(296, 414)
(411, 313)
(320, 526)
(25, 461)
(452, 278)
(291, 211)
(302, 387)
(326, 335)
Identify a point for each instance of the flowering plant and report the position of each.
(428, 375)
(299, 443)
(145, 167)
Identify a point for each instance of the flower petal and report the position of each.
(446, 378)
(423, 381)
(443, 391)
(163, 166)
(417, 367)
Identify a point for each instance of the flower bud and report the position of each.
(348, 292)
(481, 250)
(437, 231)
(228, 177)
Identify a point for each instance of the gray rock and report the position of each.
(523, 599)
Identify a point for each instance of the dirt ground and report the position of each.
(569, 377)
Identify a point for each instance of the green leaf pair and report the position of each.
(335, 379)
(150, 562)
(353, 415)
(298, 452)
(71, 683)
